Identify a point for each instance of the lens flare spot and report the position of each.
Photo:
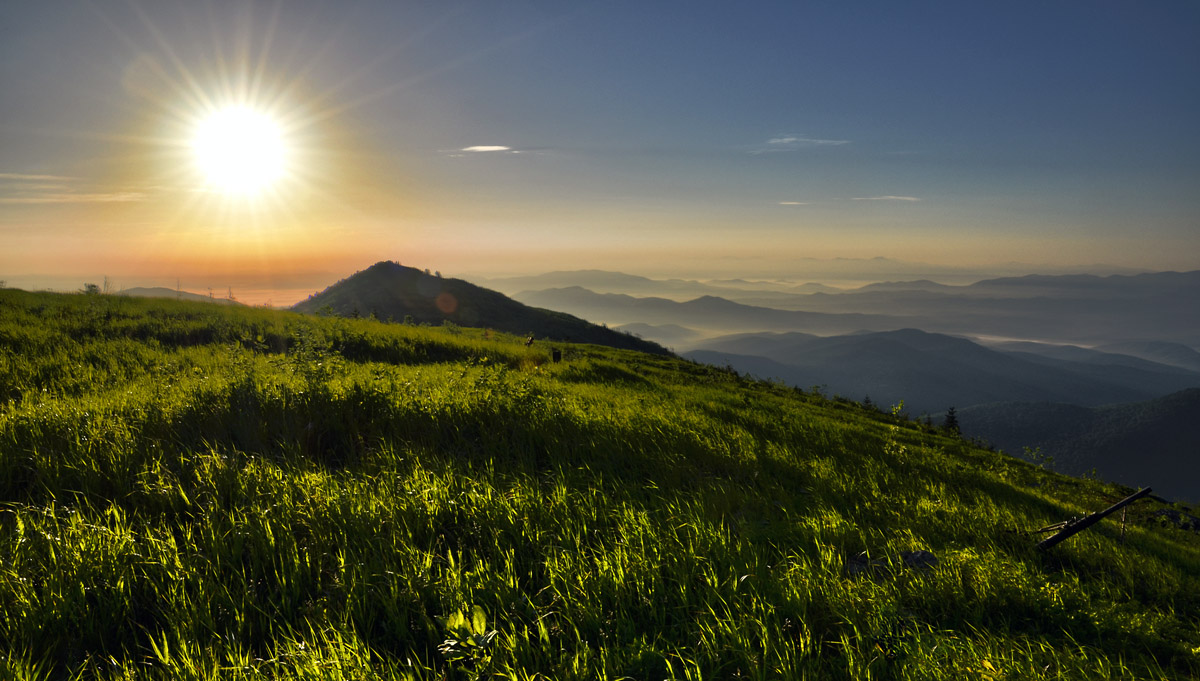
(446, 302)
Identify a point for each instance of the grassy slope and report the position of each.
(189, 491)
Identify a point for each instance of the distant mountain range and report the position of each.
(1174, 354)
(1154, 443)
(932, 372)
(668, 334)
(709, 314)
(391, 291)
(1145, 354)
(602, 281)
(1076, 309)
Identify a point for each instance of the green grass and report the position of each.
(190, 491)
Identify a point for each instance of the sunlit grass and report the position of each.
(193, 491)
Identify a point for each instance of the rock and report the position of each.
(1184, 521)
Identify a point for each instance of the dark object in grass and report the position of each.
(1070, 527)
(1184, 521)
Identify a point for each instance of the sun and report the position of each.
(240, 151)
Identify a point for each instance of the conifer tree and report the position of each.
(951, 423)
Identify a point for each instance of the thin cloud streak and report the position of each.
(790, 142)
(115, 197)
(35, 188)
(26, 177)
(886, 198)
(486, 148)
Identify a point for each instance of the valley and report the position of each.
(986, 348)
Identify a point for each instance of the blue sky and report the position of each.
(697, 139)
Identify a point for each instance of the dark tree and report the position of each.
(951, 423)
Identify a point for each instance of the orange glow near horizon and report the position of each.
(244, 178)
(287, 145)
(243, 171)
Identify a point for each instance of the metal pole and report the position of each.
(1088, 521)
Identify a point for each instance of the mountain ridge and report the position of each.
(931, 372)
(391, 290)
(1102, 310)
(1151, 442)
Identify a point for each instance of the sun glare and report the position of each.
(240, 151)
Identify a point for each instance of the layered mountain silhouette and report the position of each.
(670, 334)
(1174, 354)
(1079, 309)
(708, 313)
(931, 372)
(603, 281)
(1154, 443)
(391, 291)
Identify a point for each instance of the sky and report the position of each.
(694, 139)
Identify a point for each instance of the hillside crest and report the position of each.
(393, 292)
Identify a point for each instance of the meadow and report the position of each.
(193, 491)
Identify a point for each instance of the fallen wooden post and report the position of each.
(1071, 527)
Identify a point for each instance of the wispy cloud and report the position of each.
(481, 149)
(885, 198)
(793, 203)
(31, 188)
(113, 197)
(26, 177)
(793, 142)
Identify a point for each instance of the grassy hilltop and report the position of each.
(391, 291)
(190, 491)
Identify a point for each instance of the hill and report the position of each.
(1155, 441)
(388, 290)
(667, 334)
(193, 491)
(1174, 354)
(932, 372)
(164, 292)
